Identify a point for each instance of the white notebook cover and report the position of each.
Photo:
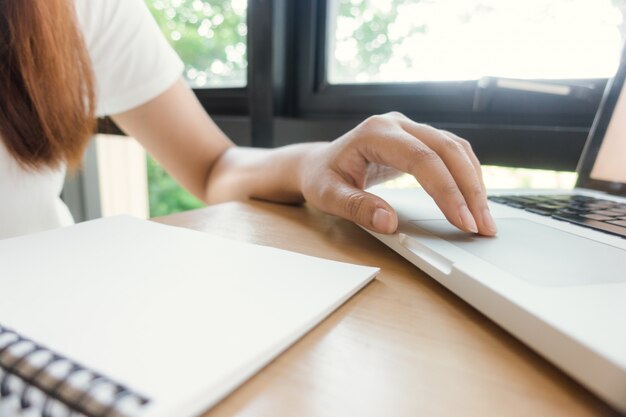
(180, 316)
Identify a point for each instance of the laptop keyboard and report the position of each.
(602, 215)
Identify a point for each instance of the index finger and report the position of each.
(401, 150)
(464, 171)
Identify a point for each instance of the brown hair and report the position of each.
(47, 102)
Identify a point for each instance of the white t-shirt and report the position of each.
(133, 64)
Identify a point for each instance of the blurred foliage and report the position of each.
(363, 26)
(165, 195)
(209, 36)
(374, 41)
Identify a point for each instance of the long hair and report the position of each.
(47, 102)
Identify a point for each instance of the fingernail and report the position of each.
(467, 220)
(382, 221)
(488, 221)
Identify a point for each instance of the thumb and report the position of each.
(361, 207)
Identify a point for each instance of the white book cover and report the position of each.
(177, 318)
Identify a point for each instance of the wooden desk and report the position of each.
(403, 346)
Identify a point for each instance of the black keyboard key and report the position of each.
(600, 214)
(598, 207)
(621, 223)
(551, 206)
(572, 210)
(538, 198)
(543, 212)
(596, 217)
(609, 213)
(522, 199)
(593, 224)
(563, 197)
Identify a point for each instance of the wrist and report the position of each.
(308, 156)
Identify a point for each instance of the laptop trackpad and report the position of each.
(539, 254)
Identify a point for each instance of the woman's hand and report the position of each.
(176, 130)
(333, 176)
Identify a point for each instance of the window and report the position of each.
(520, 80)
(457, 65)
(394, 41)
(210, 37)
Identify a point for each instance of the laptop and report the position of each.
(555, 275)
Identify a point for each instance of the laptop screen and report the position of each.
(603, 163)
(610, 164)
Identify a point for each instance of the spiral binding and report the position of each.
(12, 365)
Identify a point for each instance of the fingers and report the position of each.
(443, 167)
(470, 153)
(466, 174)
(337, 197)
(413, 156)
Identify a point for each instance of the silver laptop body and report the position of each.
(559, 286)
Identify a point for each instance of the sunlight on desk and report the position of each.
(504, 177)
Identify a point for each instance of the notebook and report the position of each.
(122, 317)
(555, 275)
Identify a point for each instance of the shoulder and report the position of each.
(132, 60)
(97, 18)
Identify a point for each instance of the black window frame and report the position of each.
(446, 101)
(231, 101)
(515, 128)
(288, 99)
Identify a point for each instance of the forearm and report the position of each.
(176, 130)
(266, 174)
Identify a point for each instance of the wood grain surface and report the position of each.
(403, 346)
